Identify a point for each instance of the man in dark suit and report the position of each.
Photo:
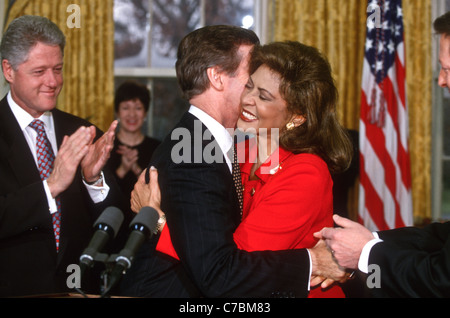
(198, 193)
(34, 259)
(412, 262)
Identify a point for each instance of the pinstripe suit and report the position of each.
(202, 212)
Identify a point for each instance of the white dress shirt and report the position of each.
(98, 194)
(363, 264)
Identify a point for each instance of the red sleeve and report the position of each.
(294, 203)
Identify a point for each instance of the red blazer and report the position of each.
(290, 201)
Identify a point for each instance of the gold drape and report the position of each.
(419, 76)
(88, 90)
(338, 29)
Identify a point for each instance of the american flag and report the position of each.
(385, 200)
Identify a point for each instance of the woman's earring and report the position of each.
(290, 126)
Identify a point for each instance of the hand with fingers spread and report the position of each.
(98, 153)
(346, 242)
(70, 154)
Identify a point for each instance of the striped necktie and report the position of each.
(45, 159)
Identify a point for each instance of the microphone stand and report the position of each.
(108, 261)
(106, 286)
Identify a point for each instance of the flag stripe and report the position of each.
(376, 204)
(380, 169)
(385, 181)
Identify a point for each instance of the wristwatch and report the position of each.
(94, 183)
(160, 224)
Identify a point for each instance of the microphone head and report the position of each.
(112, 217)
(147, 217)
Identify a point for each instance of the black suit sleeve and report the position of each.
(414, 262)
(196, 198)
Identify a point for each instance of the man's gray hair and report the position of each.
(26, 32)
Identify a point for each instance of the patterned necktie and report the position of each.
(46, 158)
(237, 179)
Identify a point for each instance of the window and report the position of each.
(147, 34)
(441, 132)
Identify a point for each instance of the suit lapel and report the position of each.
(188, 121)
(17, 151)
(62, 128)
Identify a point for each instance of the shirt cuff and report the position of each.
(52, 207)
(98, 194)
(363, 264)
(310, 270)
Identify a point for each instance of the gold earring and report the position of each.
(290, 126)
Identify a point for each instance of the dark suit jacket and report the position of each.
(414, 262)
(29, 263)
(201, 206)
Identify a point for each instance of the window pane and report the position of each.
(169, 106)
(230, 12)
(131, 21)
(171, 21)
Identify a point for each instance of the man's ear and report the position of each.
(8, 71)
(215, 78)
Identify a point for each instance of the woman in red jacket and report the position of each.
(290, 105)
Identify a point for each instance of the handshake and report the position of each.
(336, 255)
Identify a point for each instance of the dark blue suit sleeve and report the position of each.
(196, 198)
(414, 262)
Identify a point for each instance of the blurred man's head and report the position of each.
(442, 27)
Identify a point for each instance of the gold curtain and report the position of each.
(338, 29)
(88, 90)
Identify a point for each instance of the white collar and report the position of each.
(24, 119)
(222, 136)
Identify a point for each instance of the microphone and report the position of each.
(143, 226)
(107, 226)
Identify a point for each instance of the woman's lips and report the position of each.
(247, 116)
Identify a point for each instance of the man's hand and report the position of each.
(98, 154)
(324, 269)
(147, 194)
(346, 242)
(70, 154)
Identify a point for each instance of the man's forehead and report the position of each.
(444, 49)
(445, 42)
